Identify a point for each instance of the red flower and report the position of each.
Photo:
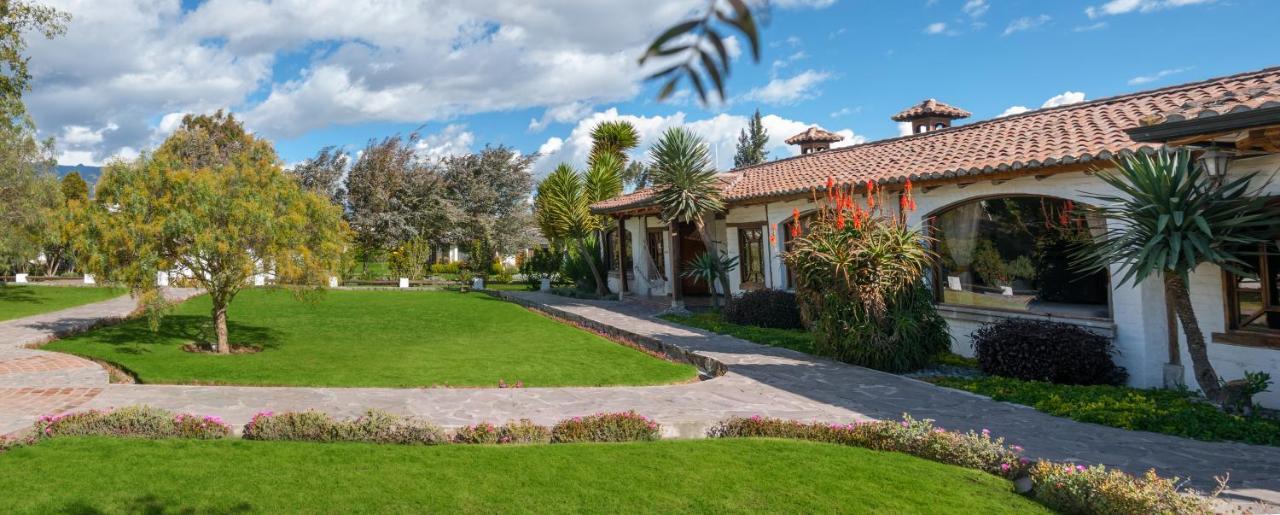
(773, 235)
(831, 183)
(795, 213)
(871, 186)
(902, 202)
(908, 186)
(840, 220)
(913, 204)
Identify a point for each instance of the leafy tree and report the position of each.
(382, 191)
(74, 187)
(637, 174)
(491, 190)
(686, 187)
(697, 47)
(751, 143)
(29, 194)
(322, 174)
(222, 218)
(17, 17)
(1169, 218)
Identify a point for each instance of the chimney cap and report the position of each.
(930, 108)
(814, 134)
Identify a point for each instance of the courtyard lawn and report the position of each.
(18, 301)
(1161, 411)
(97, 475)
(373, 338)
(794, 339)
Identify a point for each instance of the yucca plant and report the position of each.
(613, 137)
(708, 268)
(562, 207)
(1169, 217)
(684, 181)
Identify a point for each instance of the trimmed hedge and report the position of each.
(606, 427)
(1036, 350)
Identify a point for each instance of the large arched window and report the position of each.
(1014, 253)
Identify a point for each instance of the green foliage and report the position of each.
(323, 173)
(606, 427)
(859, 288)
(17, 19)
(684, 177)
(751, 144)
(131, 422)
(544, 263)
(222, 209)
(794, 339)
(705, 267)
(1160, 411)
(1040, 350)
(74, 188)
(701, 42)
(1170, 217)
(410, 259)
(373, 426)
(1076, 489)
(30, 197)
(520, 432)
(614, 138)
(562, 209)
(765, 308)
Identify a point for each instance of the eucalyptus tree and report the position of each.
(686, 187)
(1168, 218)
(324, 173)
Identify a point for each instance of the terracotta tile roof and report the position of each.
(1229, 102)
(642, 197)
(930, 107)
(1075, 133)
(814, 134)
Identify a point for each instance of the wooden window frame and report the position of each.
(760, 243)
(1237, 330)
(661, 259)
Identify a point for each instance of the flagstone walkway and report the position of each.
(759, 380)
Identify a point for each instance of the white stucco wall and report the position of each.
(1139, 320)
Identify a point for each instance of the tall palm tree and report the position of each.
(684, 181)
(563, 212)
(1169, 218)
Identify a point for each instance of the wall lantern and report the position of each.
(1215, 162)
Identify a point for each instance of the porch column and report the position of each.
(677, 289)
(622, 256)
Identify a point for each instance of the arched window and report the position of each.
(1014, 253)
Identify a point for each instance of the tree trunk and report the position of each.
(1176, 288)
(602, 287)
(220, 326)
(714, 251)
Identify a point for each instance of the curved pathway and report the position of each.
(761, 380)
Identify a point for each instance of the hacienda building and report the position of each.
(992, 194)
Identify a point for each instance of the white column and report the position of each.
(733, 249)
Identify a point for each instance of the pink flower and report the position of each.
(1005, 467)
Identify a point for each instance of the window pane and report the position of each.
(1013, 253)
(751, 257)
(1255, 310)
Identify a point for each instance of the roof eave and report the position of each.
(1167, 131)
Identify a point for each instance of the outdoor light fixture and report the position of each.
(1215, 162)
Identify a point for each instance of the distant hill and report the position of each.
(88, 173)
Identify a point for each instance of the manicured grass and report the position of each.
(18, 301)
(794, 339)
(374, 338)
(1161, 411)
(96, 475)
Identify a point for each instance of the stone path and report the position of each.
(760, 380)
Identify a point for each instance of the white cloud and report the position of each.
(453, 140)
(1144, 79)
(1091, 27)
(936, 28)
(1026, 23)
(975, 8)
(720, 131)
(846, 111)
(1143, 6)
(790, 90)
(566, 113)
(1061, 99)
(1012, 110)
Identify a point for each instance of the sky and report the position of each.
(537, 75)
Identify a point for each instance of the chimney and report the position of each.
(930, 115)
(814, 139)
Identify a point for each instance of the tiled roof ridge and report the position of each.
(1028, 114)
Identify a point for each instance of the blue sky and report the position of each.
(536, 75)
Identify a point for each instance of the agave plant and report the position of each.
(708, 268)
(1168, 218)
(685, 186)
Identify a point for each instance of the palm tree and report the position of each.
(1171, 218)
(563, 212)
(615, 137)
(685, 186)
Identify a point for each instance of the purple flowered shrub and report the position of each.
(976, 450)
(606, 427)
(132, 421)
(480, 433)
(314, 426)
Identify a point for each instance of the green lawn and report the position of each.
(96, 475)
(794, 339)
(18, 301)
(1161, 411)
(374, 338)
